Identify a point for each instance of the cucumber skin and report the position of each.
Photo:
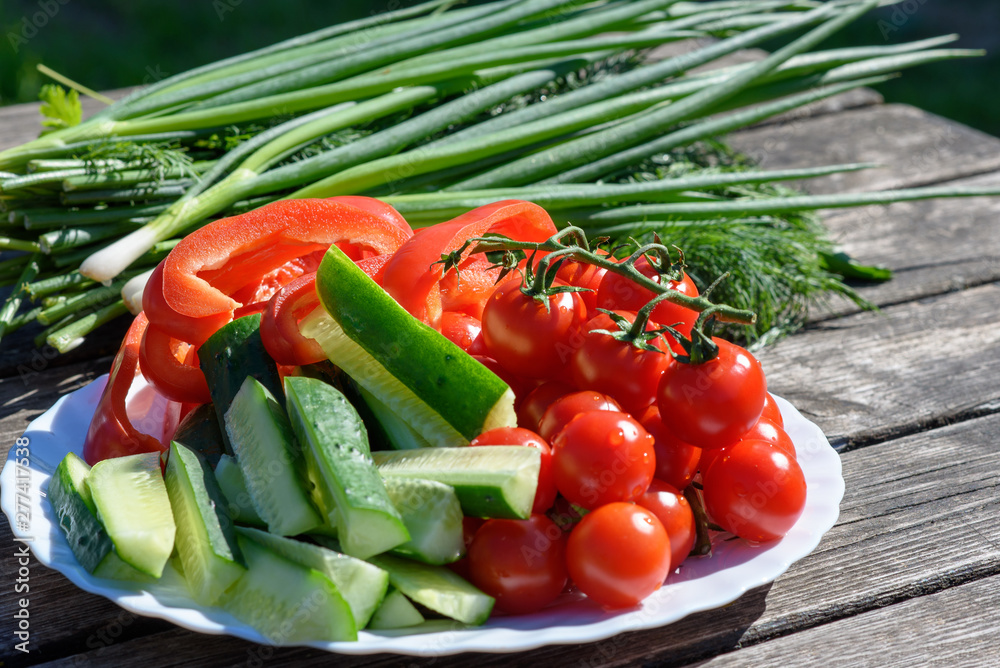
(460, 387)
(74, 510)
(233, 353)
(205, 528)
(201, 431)
(336, 445)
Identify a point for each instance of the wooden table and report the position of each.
(910, 396)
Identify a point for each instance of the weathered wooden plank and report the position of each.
(936, 488)
(934, 246)
(957, 627)
(916, 148)
(876, 375)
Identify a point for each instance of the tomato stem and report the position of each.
(580, 252)
(703, 542)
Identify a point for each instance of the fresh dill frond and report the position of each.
(163, 160)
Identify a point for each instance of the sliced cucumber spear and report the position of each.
(432, 515)
(362, 585)
(396, 612)
(132, 504)
(75, 510)
(271, 460)
(287, 602)
(437, 588)
(490, 480)
(336, 447)
(436, 387)
(206, 542)
(234, 489)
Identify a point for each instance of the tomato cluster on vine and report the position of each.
(643, 436)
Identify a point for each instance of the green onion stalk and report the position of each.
(438, 109)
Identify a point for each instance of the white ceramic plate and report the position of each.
(699, 584)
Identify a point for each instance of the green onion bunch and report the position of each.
(437, 109)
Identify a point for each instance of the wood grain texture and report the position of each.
(915, 147)
(933, 246)
(956, 627)
(872, 376)
(21, 123)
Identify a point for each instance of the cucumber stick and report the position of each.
(74, 507)
(287, 602)
(362, 585)
(399, 434)
(234, 489)
(437, 388)
(271, 460)
(433, 516)
(396, 612)
(490, 480)
(206, 542)
(200, 431)
(132, 504)
(437, 588)
(336, 447)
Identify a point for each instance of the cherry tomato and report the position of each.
(618, 554)
(562, 410)
(711, 405)
(755, 491)
(676, 461)
(771, 411)
(619, 292)
(601, 457)
(520, 563)
(618, 368)
(545, 493)
(766, 430)
(534, 405)
(526, 337)
(675, 514)
(584, 275)
(464, 331)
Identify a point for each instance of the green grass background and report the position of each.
(108, 44)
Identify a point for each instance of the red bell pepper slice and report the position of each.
(416, 283)
(193, 295)
(279, 324)
(111, 432)
(163, 361)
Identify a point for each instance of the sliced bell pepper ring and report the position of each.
(279, 324)
(111, 432)
(162, 362)
(415, 282)
(208, 266)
